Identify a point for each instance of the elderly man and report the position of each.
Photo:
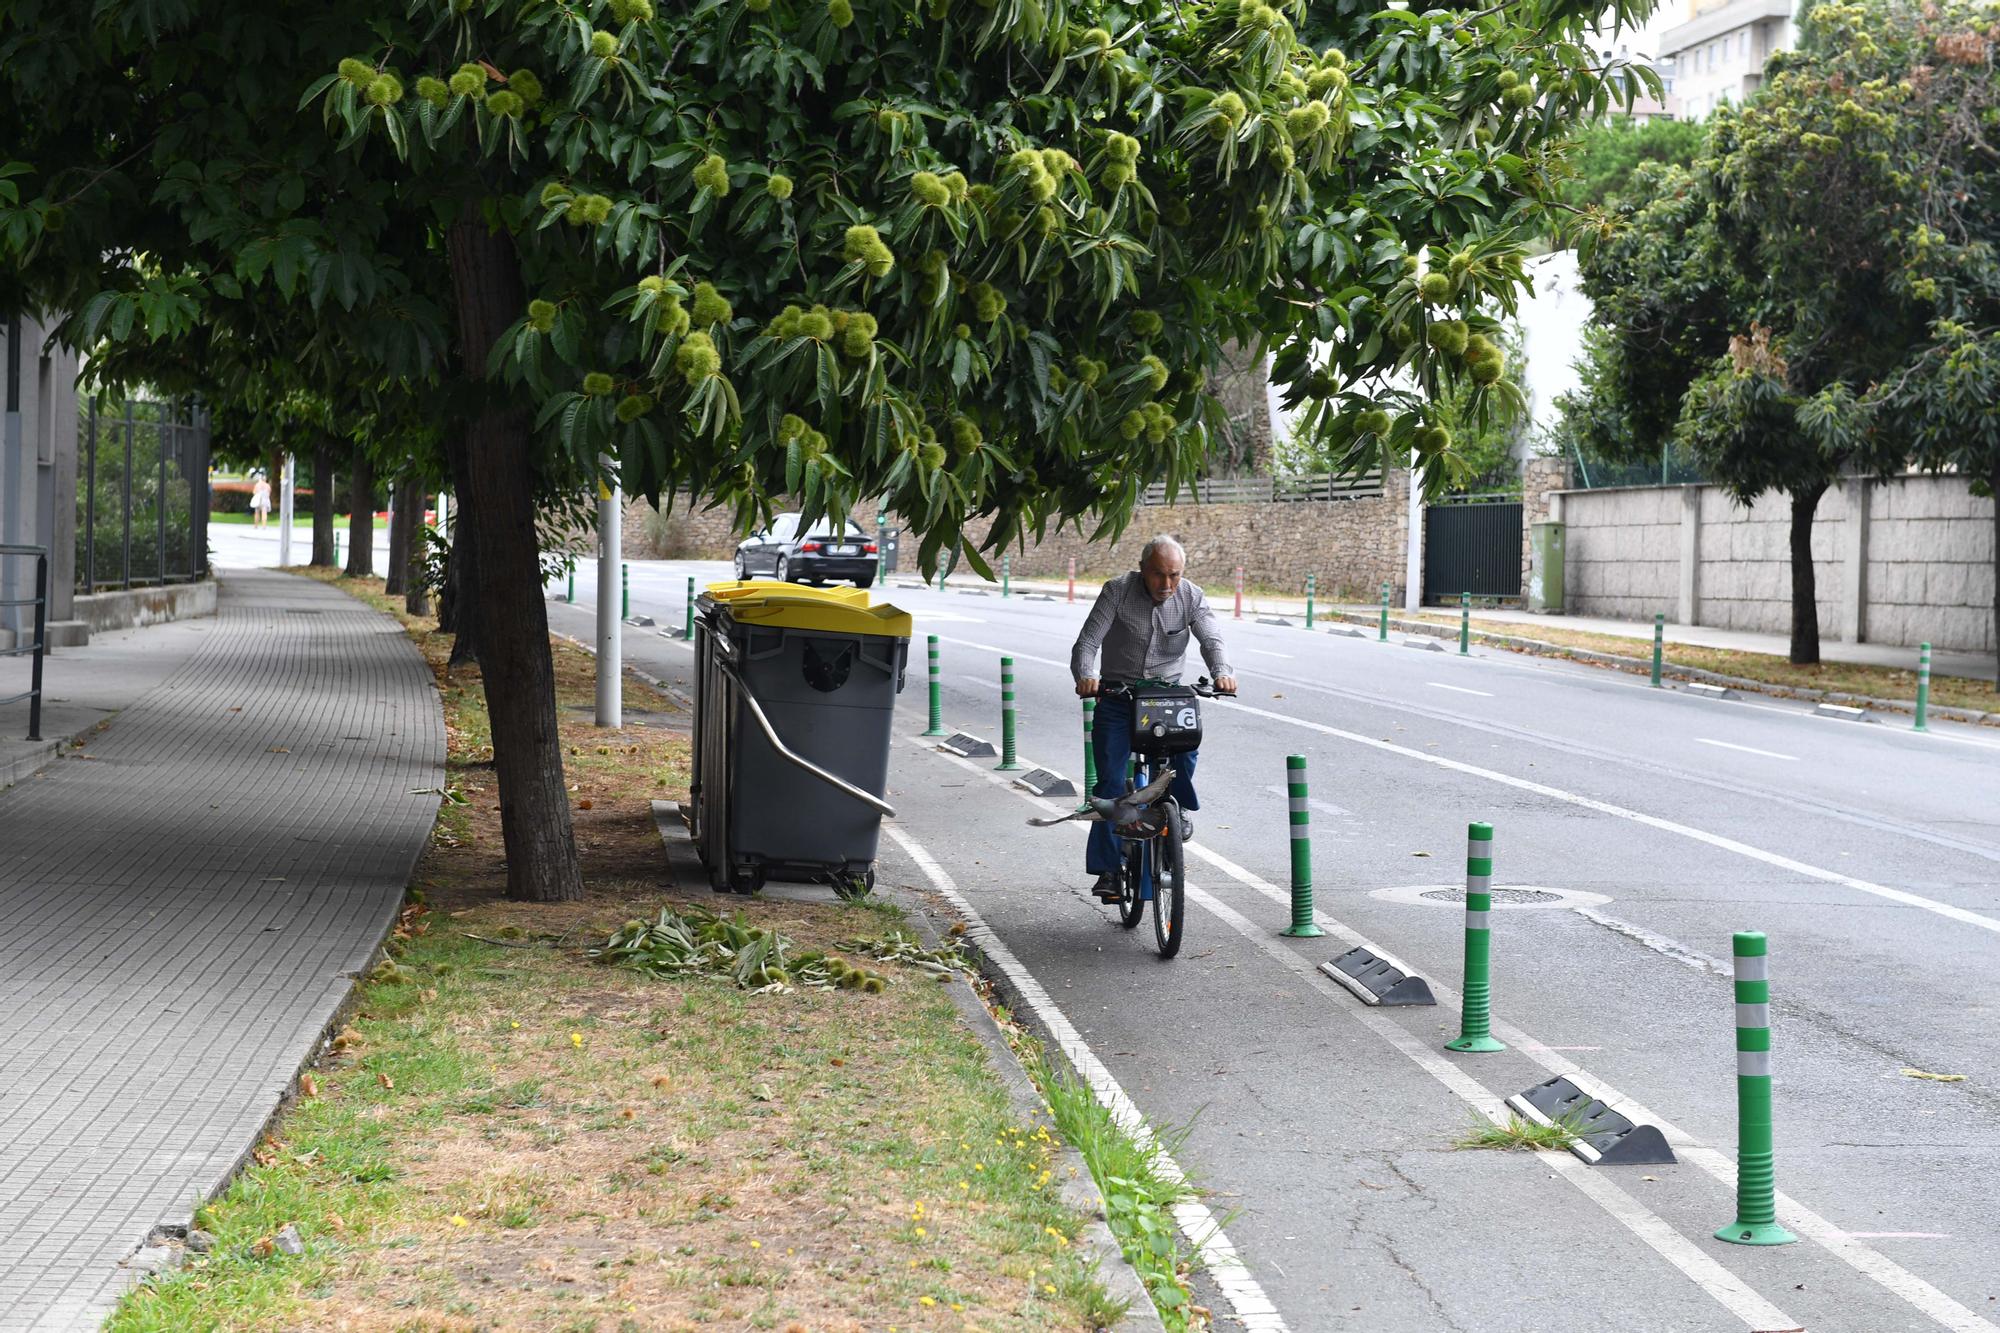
(1140, 628)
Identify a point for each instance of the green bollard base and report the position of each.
(1010, 768)
(1306, 932)
(933, 731)
(1920, 727)
(1476, 1045)
(1756, 1233)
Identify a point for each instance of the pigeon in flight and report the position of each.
(1119, 811)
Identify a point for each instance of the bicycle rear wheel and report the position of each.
(1130, 905)
(1169, 892)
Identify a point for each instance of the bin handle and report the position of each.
(771, 735)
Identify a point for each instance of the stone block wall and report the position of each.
(1903, 561)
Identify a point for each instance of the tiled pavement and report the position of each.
(180, 917)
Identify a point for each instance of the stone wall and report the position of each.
(1903, 561)
(1350, 546)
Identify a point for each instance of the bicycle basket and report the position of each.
(1166, 719)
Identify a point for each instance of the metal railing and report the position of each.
(1267, 490)
(40, 601)
(149, 461)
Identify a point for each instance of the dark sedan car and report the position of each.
(815, 556)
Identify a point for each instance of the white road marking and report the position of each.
(1715, 840)
(1324, 807)
(1660, 944)
(1263, 652)
(1252, 1307)
(1724, 1286)
(982, 682)
(1457, 689)
(1747, 749)
(1898, 1235)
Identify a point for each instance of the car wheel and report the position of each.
(742, 569)
(784, 569)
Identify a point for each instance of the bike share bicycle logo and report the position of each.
(1185, 719)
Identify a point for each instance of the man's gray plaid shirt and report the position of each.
(1141, 641)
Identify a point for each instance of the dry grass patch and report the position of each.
(510, 1135)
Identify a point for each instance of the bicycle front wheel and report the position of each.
(1169, 890)
(1131, 899)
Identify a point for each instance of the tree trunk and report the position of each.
(498, 504)
(416, 554)
(323, 500)
(458, 609)
(1805, 600)
(399, 537)
(361, 518)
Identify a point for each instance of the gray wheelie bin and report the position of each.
(795, 696)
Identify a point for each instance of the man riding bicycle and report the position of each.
(1140, 627)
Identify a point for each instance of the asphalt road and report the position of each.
(1322, 1131)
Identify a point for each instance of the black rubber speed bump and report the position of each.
(1044, 783)
(1377, 980)
(967, 746)
(1603, 1137)
(1272, 620)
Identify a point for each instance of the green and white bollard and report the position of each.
(1302, 926)
(936, 727)
(1465, 624)
(1010, 762)
(1309, 601)
(1659, 642)
(1475, 1031)
(881, 552)
(1385, 611)
(1006, 576)
(1923, 688)
(1089, 751)
(569, 593)
(687, 631)
(624, 591)
(1756, 1176)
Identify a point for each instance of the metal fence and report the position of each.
(142, 510)
(36, 646)
(1267, 490)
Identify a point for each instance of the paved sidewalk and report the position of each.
(183, 904)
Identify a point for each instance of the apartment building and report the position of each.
(1718, 54)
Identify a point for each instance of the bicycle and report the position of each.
(1166, 722)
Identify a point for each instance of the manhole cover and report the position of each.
(1518, 897)
(1524, 897)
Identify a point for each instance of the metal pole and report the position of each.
(1006, 576)
(444, 516)
(1302, 926)
(569, 587)
(90, 505)
(1659, 639)
(1009, 760)
(1072, 578)
(1385, 611)
(285, 503)
(936, 727)
(1413, 555)
(1465, 624)
(610, 643)
(881, 551)
(1309, 600)
(160, 432)
(1475, 1032)
(687, 630)
(1923, 688)
(127, 479)
(41, 645)
(1756, 1174)
(1239, 592)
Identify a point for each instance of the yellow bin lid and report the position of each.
(790, 606)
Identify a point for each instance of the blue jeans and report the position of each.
(1111, 742)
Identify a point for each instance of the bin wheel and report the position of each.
(852, 888)
(747, 880)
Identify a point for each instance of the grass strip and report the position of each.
(510, 1132)
(1518, 1135)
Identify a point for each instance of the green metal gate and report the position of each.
(1472, 545)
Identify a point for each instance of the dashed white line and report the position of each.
(1746, 749)
(1265, 652)
(1456, 689)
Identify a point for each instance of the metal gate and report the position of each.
(1472, 546)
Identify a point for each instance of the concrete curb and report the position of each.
(1079, 1188)
(1541, 648)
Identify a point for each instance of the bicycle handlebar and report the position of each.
(1123, 690)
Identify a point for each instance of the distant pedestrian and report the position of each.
(260, 501)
